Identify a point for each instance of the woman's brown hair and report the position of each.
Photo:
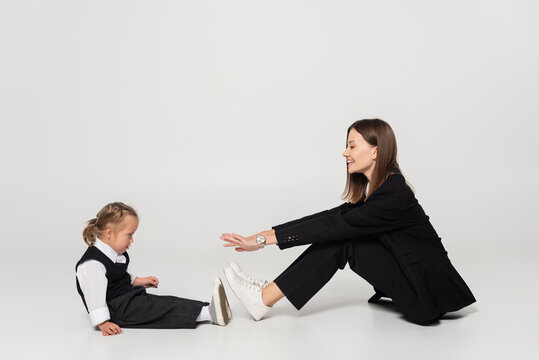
(377, 133)
(111, 215)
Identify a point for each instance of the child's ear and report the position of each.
(108, 233)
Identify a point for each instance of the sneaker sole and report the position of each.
(222, 317)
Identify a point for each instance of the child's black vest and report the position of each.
(119, 281)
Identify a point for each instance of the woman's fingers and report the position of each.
(228, 237)
(231, 241)
(225, 236)
(234, 240)
(239, 237)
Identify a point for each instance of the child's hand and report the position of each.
(108, 328)
(150, 281)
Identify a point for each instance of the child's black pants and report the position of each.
(138, 309)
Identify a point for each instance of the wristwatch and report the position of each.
(261, 241)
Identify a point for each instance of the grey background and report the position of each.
(231, 116)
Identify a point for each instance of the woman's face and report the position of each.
(360, 155)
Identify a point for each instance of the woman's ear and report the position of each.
(374, 152)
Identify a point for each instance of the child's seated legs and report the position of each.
(138, 309)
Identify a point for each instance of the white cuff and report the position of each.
(133, 277)
(97, 316)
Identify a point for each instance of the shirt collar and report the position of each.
(109, 252)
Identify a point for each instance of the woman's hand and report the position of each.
(109, 328)
(240, 242)
(150, 281)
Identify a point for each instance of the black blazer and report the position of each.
(430, 286)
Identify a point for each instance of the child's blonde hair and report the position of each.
(111, 214)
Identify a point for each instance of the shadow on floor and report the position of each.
(382, 304)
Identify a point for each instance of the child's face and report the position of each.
(121, 239)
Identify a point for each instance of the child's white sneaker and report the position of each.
(249, 294)
(220, 312)
(242, 274)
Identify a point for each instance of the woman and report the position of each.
(381, 232)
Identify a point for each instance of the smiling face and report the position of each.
(121, 238)
(360, 155)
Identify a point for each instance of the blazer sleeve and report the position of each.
(342, 207)
(384, 211)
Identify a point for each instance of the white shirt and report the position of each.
(93, 282)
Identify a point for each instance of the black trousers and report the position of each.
(367, 257)
(138, 309)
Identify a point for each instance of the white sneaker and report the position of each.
(220, 312)
(242, 274)
(249, 294)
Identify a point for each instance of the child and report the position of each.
(114, 298)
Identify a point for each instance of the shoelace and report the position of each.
(249, 285)
(249, 278)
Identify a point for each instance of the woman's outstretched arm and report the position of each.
(390, 207)
(248, 243)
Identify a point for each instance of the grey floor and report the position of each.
(338, 322)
